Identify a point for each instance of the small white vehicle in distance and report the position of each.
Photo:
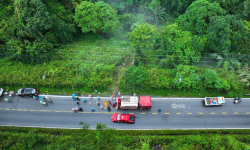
(214, 101)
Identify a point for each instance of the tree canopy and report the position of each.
(180, 46)
(225, 33)
(96, 17)
(197, 16)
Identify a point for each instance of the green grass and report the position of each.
(42, 138)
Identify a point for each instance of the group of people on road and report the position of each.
(76, 99)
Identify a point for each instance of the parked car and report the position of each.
(1, 91)
(123, 118)
(28, 92)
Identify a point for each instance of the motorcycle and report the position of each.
(237, 100)
(6, 100)
(84, 100)
(48, 99)
(77, 98)
(97, 103)
(11, 93)
(43, 102)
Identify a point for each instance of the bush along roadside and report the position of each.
(72, 76)
(107, 138)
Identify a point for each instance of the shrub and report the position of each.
(134, 77)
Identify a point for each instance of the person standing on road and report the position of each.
(80, 109)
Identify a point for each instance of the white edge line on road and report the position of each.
(169, 98)
(129, 129)
(142, 95)
(151, 97)
(181, 98)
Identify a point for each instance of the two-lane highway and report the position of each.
(177, 113)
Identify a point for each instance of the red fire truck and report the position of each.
(134, 102)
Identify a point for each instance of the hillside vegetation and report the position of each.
(142, 46)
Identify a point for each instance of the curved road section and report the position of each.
(177, 113)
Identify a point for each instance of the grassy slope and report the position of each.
(88, 49)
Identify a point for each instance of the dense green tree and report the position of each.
(128, 19)
(179, 46)
(246, 10)
(186, 78)
(34, 17)
(244, 74)
(225, 34)
(197, 16)
(176, 7)
(6, 12)
(143, 37)
(211, 80)
(96, 17)
(231, 6)
(120, 5)
(246, 36)
(28, 23)
(62, 14)
(134, 77)
(157, 11)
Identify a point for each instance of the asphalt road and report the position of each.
(177, 113)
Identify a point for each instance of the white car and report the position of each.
(1, 91)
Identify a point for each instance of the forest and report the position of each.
(127, 45)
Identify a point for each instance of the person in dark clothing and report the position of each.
(80, 109)
(77, 103)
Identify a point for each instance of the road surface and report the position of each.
(177, 113)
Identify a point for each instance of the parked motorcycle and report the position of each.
(48, 99)
(237, 100)
(11, 93)
(6, 100)
(43, 102)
